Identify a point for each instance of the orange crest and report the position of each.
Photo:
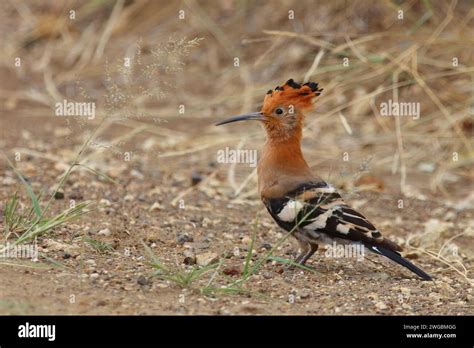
(291, 93)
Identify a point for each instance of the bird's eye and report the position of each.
(279, 111)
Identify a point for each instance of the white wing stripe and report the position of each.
(354, 216)
(344, 229)
(290, 211)
(319, 222)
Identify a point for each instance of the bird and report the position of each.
(298, 200)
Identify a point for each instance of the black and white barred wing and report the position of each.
(316, 208)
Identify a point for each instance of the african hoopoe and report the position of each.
(297, 199)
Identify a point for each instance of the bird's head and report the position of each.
(282, 111)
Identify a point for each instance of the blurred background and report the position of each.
(202, 61)
(161, 73)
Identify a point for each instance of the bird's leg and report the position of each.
(303, 257)
(307, 250)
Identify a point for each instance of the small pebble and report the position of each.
(205, 259)
(156, 207)
(246, 240)
(59, 195)
(129, 197)
(90, 262)
(305, 294)
(104, 232)
(189, 257)
(189, 260)
(142, 280)
(184, 238)
(232, 271)
(196, 178)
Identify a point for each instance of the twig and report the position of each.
(108, 29)
(315, 65)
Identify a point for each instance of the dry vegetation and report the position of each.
(144, 173)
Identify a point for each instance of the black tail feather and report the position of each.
(396, 257)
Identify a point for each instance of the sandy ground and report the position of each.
(120, 280)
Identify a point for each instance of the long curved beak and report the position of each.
(251, 116)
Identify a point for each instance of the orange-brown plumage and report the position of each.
(295, 99)
(282, 165)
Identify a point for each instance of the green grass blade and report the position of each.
(96, 172)
(290, 262)
(46, 225)
(155, 261)
(249, 253)
(31, 194)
